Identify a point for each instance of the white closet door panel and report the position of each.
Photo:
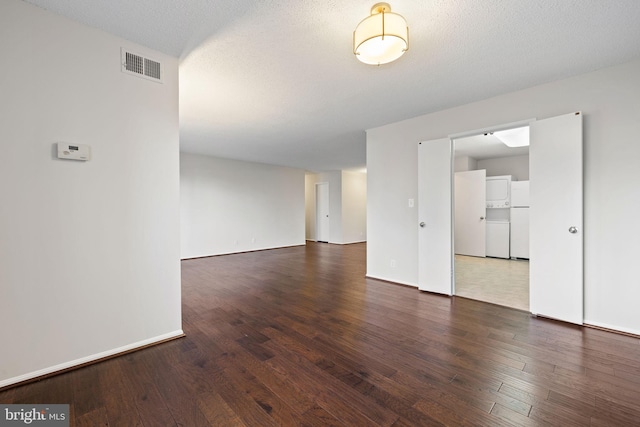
(556, 238)
(434, 216)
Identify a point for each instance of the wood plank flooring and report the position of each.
(298, 336)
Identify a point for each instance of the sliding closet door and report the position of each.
(434, 216)
(556, 230)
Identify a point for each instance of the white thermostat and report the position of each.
(74, 151)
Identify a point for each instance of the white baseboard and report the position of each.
(612, 327)
(266, 248)
(88, 359)
(340, 243)
(385, 279)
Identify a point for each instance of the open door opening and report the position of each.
(555, 244)
(488, 222)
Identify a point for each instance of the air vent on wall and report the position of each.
(140, 66)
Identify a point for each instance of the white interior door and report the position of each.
(322, 212)
(556, 266)
(469, 207)
(434, 216)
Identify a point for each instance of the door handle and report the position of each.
(481, 218)
(422, 224)
(573, 230)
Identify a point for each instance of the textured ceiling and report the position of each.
(276, 81)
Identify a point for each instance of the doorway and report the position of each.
(322, 212)
(556, 237)
(491, 234)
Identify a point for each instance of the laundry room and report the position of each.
(491, 217)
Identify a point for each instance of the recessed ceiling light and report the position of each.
(518, 137)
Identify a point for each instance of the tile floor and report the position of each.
(499, 281)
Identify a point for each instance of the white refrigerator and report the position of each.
(519, 219)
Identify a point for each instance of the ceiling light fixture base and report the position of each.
(380, 7)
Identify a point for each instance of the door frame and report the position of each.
(452, 138)
(496, 128)
(440, 286)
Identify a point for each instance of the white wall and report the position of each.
(464, 163)
(518, 166)
(354, 207)
(610, 101)
(231, 206)
(89, 251)
(347, 205)
(310, 206)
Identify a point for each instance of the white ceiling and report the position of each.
(276, 81)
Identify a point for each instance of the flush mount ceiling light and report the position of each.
(382, 37)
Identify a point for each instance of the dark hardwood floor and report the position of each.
(298, 336)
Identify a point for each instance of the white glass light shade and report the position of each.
(381, 38)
